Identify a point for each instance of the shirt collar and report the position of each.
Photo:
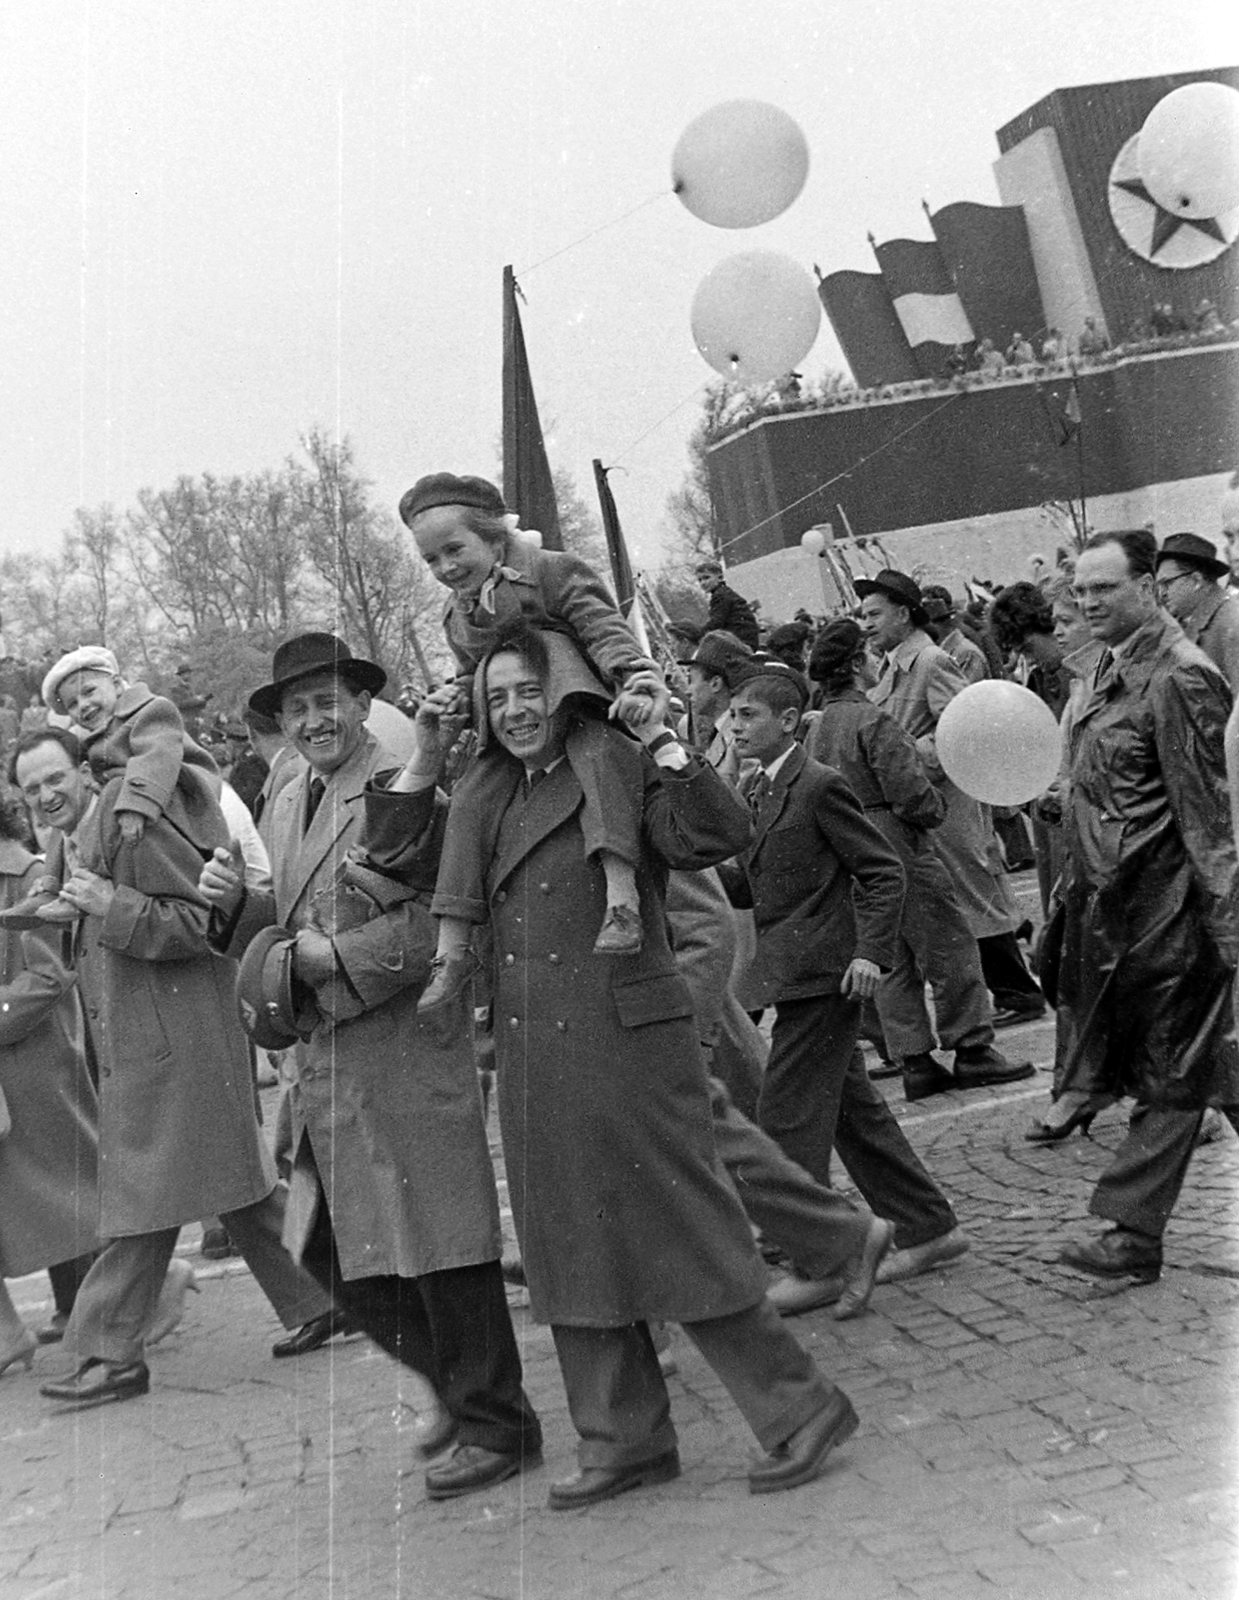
(772, 770)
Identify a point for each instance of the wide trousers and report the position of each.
(1140, 1186)
(817, 1097)
(452, 1327)
(618, 1400)
(118, 1296)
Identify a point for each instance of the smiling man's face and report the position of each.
(324, 719)
(56, 789)
(516, 707)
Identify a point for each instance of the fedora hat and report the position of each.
(897, 586)
(275, 1008)
(1193, 551)
(307, 654)
(719, 654)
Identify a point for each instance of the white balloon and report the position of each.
(1188, 154)
(812, 541)
(999, 743)
(740, 164)
(755, 316)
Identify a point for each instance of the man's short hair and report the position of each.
(779, 688)
(1137, 544)
(68, 742)
(519, 639)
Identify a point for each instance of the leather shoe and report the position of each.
(1121, 1253)
(919, 1258)
(472, 1466)
(803, 1456)
(982, 1065)
(592, 1484)
(313, 1334)
(876, 1247)
(920, 1082)
(792, 1295)
(54, 1332)
(1012, 1016)
(95, 1382)
(621, 933)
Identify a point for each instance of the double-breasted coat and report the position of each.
(1151, 883)
(391, 1117)
(49, 1207)
(178, 1136)
(621, 1207)
(918, 682)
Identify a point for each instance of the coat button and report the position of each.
(562, 1026)
(509, 961)
(501, 896)
(544, 888)
(514, 1022)
(553, 959)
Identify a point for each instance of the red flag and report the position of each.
(527, 485)
(621, 567)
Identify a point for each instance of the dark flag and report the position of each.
(990, 262)
(527, 485)
(867, 328)
(621, 567)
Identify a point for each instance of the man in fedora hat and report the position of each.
(917, 682)
(1188, 574)
(392, 1193)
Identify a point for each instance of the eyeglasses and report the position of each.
(1163, 584)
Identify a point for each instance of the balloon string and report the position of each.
(847, 471)
(653, 428)
(594, 232)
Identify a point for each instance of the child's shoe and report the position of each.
(58, 910)
(24, 915)
(621, 933)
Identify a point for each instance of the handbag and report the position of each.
(1048, 952)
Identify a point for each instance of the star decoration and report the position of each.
(1167, 223)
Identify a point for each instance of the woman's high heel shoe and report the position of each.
(19, 1353)
(1052, 1133)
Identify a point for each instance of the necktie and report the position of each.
(1105, 669)
(758, 793)
(317, 786)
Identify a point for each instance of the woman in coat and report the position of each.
(48, 1200)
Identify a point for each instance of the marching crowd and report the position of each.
(616, 889)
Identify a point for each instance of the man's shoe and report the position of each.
(981, 1064)
(449, 977)
(96, 1382)
(592, 1484)
(803, 1456)
(919, 1258)
(922, 1076)
(216, 1245)
(512, 1270)
(621, 933)
(1009, 1016)
(472, 1466)
(792, 1295)
(876, 1248)
(54, 1332)
(1121, 1253)
(313, 1334)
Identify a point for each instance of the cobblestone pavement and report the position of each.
(1024, 1433)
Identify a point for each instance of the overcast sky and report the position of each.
(228, 221)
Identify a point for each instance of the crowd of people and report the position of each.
(634, 862)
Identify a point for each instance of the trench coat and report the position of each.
(917, 684)
(49, 1205)
(390, 1118)
(1151, 884)
(178, 1135)
(623, 1211)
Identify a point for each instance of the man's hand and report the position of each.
(440, 717)
(132, 825)
(90, 893)
(314, 957)
(861, 980)
(644, 699)
(222, 880)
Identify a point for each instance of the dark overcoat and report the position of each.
(391, 1116)
(178, 1135)
(1151, 884)
(622, 1209)
(49, 1207)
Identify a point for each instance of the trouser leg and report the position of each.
(118, 1297)
(772, 1380)
(617, 1398)
(811, 1044)
(900, 1004)
(884, 1166)
(67, 1277)
(1140, 1186)
(258, 1233)
(818, 1228)
(452, 1327)
(1006, 975)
